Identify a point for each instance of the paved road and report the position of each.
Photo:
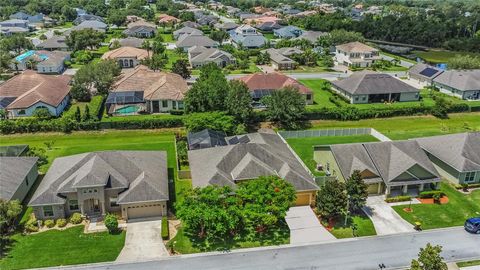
(393, 250)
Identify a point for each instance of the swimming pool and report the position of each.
(25, 55)
(128, 109)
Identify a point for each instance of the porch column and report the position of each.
(422, 186)
(436, 185)
(379, 188)
(102, 207)
(389, 97)
(82, 210)
(387, 192)
(405, 189)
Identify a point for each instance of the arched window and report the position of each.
(131, 63)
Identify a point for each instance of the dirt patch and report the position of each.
(443, 200)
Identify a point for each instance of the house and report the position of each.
(37, 19)
(260, 9)
(391, 167)
(14, 150)
(246, 15)
(263, 84)
(86, 17)
(280, 58)
(142, 89)
(287, 32)
(247, 37)
(199, 56)
(133, 183)
(262, 19)
(205, 139)
(455, 156)
(127, 42)
(186, 42)
(14, 26)
(207, 20)
(127, 57)
(17, 176)
(140, 29)
(371, 87)
(248, 157)
(55, 43)
(423, 73)
(43, 61)
(190, 25)
(167, 19)
(233, 11)
(311, 36)
(28, 91)
(464, 84)
(186, 31)
(306, 13)
(268, 26)
(356, 54)
(227, 26)
(91, 24)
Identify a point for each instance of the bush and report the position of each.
(398, 199)
(431, 194)
(213, 120)
(49, 223)
(76, 218)
(177, 112)
(31, 225)
(61, 222)
(96, 107)
(165, 229)
(111, 223)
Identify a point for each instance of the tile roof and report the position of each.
(355, 47)
(165, 18)
(460, 79)
(126, 52)
(272, 81)
(13, 171)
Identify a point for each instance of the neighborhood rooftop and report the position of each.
(12, 174)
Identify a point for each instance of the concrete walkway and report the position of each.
(143, 242)
(305, 227)
(384, 218)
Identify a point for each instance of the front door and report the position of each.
(96, 206)
(155, 106)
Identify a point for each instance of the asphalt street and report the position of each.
(395, 251)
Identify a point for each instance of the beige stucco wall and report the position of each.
(58, 212)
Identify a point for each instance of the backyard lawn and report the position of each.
(438, 57)
(55, 248)
(454, 213)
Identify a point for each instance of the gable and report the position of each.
(414, 173)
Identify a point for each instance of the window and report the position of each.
(164, 103)
(73, 205)
(309, 97)
(48, 211)
(356, 98)
(21, 112)
(469, 177)
(364, 98)
(113, 201)
(180, 104)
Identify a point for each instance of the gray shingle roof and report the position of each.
(142, 173)
(460, 79)
(247, 157)
(461, 151)
(370, 82)
(186, 31)
(425, 71)
(195, 40)
(13, 171)
(55, 42)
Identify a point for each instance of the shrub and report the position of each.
(177, 112)
(111, 223)
(431, 194)
(30, 227)
(96, 107)
(49, 223)
(436, 197)
(165, 229)
(76, 218)
(61, 222)
(398, 199)
(213, 120)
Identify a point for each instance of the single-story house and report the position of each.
(456, 156)
(356, 54)
(165, 18)
(248, 157)
(186, 42)
(247, 37)
(268, 26)
(141, 29)
(133, 183)
(311, 36)
(199, 56)
(263, 84)
(127, 57)
(227, 26)
(186, 31)
(44, 61)
(205, 139)
(464, 84)
(127, 42)
(28, 91)
(14, 26)
(191, 25)
(280, 58)
(86, 17)
(91, 24)
(17, 176)
(37, 19)
(391, 167)
(55, 43)
(289, 31)
(207, 20)
(370, 87)
(142, 89)
(423, 73)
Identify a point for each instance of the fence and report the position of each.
(333, 132)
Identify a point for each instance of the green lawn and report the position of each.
(173, 56)
(454, 213)
(437, 57)
(185, 244)
(304, 146)
(55, 248)
(140, 117)
(398, 57)
(364, 227)
(321, 94)
(470, 263)
(269, 36)
(167, 37)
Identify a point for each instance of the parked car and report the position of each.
(473, 225)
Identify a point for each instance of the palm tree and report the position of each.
(31, 63)
(146, 46)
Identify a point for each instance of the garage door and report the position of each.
(303, 199)
(143, 211)
(373, 188)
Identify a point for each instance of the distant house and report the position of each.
(207, 20)
(167, 19)
(17, 176)
(191, 25)
(227, 26)
(55, 43)
(372, 87)
(199, 56)
(140, 29)
(186, 31)
(424, 74)
(128, 42)
(37, 19)
(247, 37)
(304, 14)
(464, 84)
(142, 89)
(246, 15)
(280, 58)
(44, 61)
(86, 17)
(287, 32)
(186, 42)
(268, 26)
(233, 11)
(127, 57)
(311, 36)
(28, 91)
(205, 139)
(14, 26)
(356, 54)
(133, 183)
(263, 84)
(456, 156)
(91, 24)
(251, 156)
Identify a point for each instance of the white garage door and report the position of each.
(145, 210)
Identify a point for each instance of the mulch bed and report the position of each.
(443, 200)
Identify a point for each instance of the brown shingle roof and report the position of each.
(123, 52)
(31, 87)
(272, 81)
(155, 85)
(356, 47)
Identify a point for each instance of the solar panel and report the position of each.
(428, 72)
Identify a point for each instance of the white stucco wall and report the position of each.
(55, 111)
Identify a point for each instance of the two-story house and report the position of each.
(356, 55)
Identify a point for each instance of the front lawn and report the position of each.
(454, 213)
(55, 248)
(362, 222)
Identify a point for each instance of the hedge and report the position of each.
(142, 123)
(457, 186)
(96, 107)
(398, 199)
(430, 194)
(165, 229)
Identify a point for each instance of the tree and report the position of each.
(180, 67)
(17, 43)
(332, 199)
(187, 16)
(263, 58)
(84, 39)
(156, 62)
(116, 17)
(86, 114)
(212, 120)
(111, 223)
(9, 212)
(238, 101)
(116, 44)
(40, 153)
(78, 115)
(357, 191)
(68, 13)
(285, 106)
(464, 62)
(219, 36)
(429, 258)
(99, 76)
(157, 45)
(116, 4)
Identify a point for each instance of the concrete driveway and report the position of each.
(384, 218)
(305, 227)
(143, 242)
